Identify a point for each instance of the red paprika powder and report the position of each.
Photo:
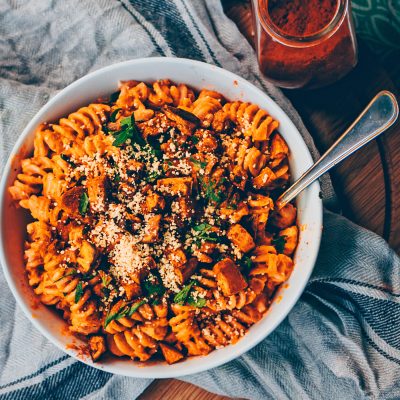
(304, 43)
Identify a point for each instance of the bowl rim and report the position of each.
(147, 371)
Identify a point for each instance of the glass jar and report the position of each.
(304, 43)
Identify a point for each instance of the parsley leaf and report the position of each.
(181, 297)
(199, 302)
(246, 262)
(114, 114)
(121, 138)
(78, 292)
(83, 203)
(73, 272)
(105, 279)
(128, 131)
(211, 192)
(205, 234)
(125, 311)
(68, 160)
(202, 227)
(135, 307)
(153, 288)
(198, 163)
(152, 176)
(114, 97)
(279, 243)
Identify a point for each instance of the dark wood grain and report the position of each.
(367, 183)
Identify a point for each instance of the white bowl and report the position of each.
(103, 82)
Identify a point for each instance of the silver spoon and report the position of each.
(379, 115)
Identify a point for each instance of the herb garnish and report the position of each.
(198, 163)
(72, 272)
(210, 190)
(246, 262)
(205, 233)
(78, 292)
(152, 176)
(128, 131)
(114, 114)
(83, 203)
(199, 302)
(114, 96)
(279, 243)
(152, 288)
(68, 160)
(185, 296)
(181, 297)
(195, 139)
(125, 311)
(105, 279)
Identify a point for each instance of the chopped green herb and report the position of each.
(211, 192)
(246, 262)
(114, 96)
(86, 229)
(128, 131)
(279, 243)
(117, 176)
(152, 176)
(181, 297)
(202, 227)
(73, 272)
(68, 160)
(83, 203)
(197, 163)
(105, 279)
(195, 139)
(135, 307)
(199, 302)
(114, 114)
(78, 292)
(205, 234)
(125, 311)
(153, 288)
(121, 138)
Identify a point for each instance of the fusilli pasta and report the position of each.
(155, 231)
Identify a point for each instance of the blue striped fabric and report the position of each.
(340, 341)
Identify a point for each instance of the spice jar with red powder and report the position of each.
(304, 43)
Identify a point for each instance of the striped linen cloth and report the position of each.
(342, 338)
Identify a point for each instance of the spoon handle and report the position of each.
(378, 116)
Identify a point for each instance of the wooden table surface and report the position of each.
(367, 183)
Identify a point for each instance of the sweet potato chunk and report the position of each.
(86, 257)
(240, 238)
(175, 186)
(97, 192)
(177, 258)
(170, 354)
(71, 199)
(229, 278)
(132, 290)
(291, 237)
(153, 226)
(185, 120)
(97, 346)
(185, 272)
(154, 202)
